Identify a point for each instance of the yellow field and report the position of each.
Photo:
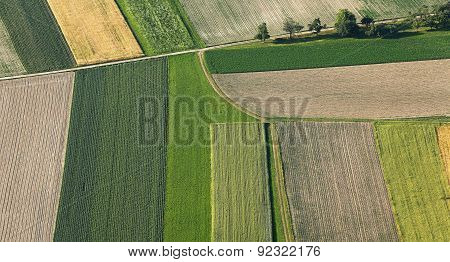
(444, 144)
(95, 30)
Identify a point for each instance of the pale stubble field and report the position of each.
(396, 90)
(34, 119)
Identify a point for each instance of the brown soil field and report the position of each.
(10, 63)
(34, 120)
(95, 30)
(444, 144)
(396, 90)
(334, 182)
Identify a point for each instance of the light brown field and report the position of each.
(34, 119)
(444, 144)
(219, 21)
(396, 90)
(10, 63)
(95, 30)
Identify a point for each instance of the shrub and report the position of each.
(263, 32)
(290, 26)
(367, 21)
(346, 23)
(316, 26)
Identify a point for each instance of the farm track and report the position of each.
(283, 201)
(131, 60)
(34, 123)
(219, 91)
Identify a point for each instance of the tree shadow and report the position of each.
(404, 34)
(361, 35)
(305, 39)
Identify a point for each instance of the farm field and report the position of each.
(105, 33)
(193, 106)
(414, 174)
(240, 191)
(35, 35)
(365, 92)
(329, 51)
(114, 177)
(10, 63)
(159, 26)
(219, 22)
(444, 144)
(334, 182)
(34, 120)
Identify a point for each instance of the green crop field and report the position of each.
(10, 63)
(193, 106)
(414, 174)
(35, 35)
(241, 207)
(114, 176)
(160, 25)
(329, 52)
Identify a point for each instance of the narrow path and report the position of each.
(74, 69)
(218, 90)
(173, 54)
(281, 188)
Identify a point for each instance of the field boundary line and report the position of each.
(63, 162)
(218, 90)
(283, 200)
(131, 60)
(338, 67)
(440, 137)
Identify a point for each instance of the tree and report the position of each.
(386, 30)
(316, 26)
(346, 23)
(367, 21)
(290, 26)
(438, 17)
(442, 16)
(416, 23)
(430, 21)
(423, 11)
(263, 32)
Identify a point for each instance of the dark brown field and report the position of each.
(334, 182)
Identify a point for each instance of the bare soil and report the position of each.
(34, 119)
(396, 90)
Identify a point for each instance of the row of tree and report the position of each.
(437, 17)
(291, 27)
